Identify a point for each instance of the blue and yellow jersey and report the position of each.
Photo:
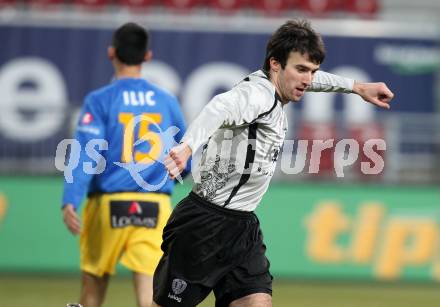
(124, 130)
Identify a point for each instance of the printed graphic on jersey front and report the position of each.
(214, 178)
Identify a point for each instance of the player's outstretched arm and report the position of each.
(376, 93)
(177, 159)
(71, 219)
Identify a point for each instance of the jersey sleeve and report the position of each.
(91, 126)
(178, 120)
(327, 82)
(239, 106)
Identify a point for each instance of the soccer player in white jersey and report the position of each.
(212, 241)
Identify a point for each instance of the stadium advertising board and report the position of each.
(312, 231)
(353, 232)
(45, 72)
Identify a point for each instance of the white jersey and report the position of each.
(242, 132)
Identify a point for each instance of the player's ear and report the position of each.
(148, 55)
(274, 64)
(111, 53)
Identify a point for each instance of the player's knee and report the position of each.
(253, 300)
(93, 289)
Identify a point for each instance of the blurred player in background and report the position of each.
(129, 201)
(213, 239)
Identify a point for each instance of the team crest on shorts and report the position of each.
(178, 286)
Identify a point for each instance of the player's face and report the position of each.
(296, 77)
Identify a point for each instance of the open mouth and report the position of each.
(300, 90)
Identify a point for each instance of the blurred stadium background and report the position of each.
(358, 240)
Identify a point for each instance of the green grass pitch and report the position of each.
(56, 291)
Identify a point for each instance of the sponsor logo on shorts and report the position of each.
(134, 213)
(178, 286)
(135, 208)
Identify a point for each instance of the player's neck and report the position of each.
(127, 71)
(275, 81)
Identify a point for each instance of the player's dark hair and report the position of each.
(130, 42)
(296, 36)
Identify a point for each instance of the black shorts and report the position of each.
(207, 247)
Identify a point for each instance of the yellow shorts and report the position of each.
(125, 227)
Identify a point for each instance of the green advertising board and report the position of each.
(354, 232)
(311, 230)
